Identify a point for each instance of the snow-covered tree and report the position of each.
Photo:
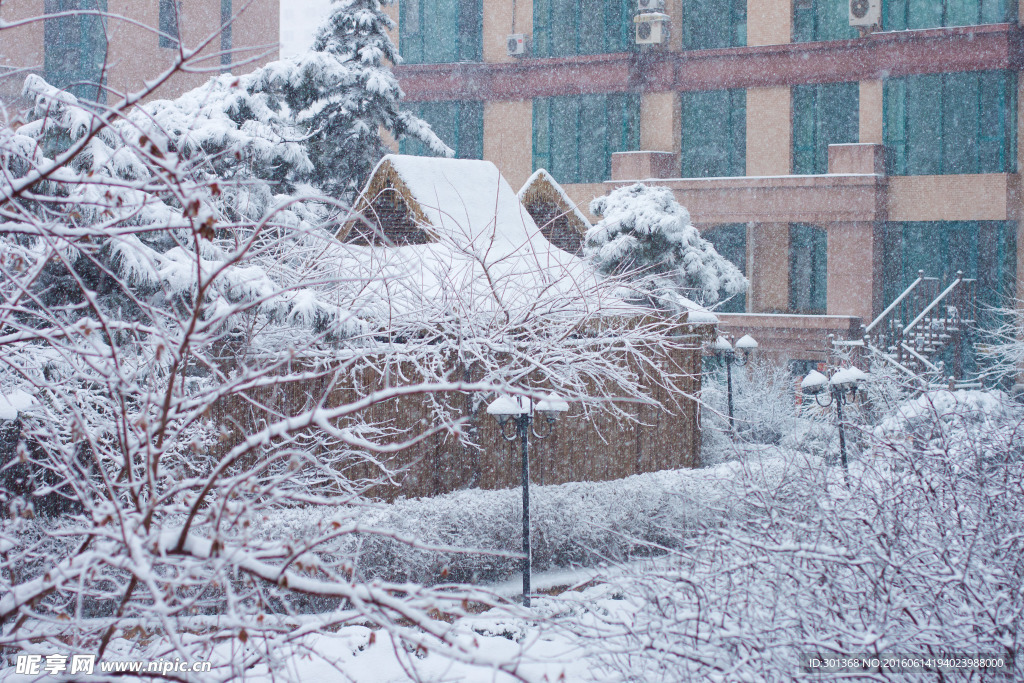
(645, 233)
(344, 92)
(162, 296)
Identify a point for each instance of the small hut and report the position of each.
(446, 246)
(557, 216)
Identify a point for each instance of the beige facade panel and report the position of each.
(785, 199)
(769, 131)
(854, 270)
(134, 54)
(983, 197)
(768, 264)
(256, 32)
(871, 111)
(661, 122)
(502, 18)
(21, 47)
(392, 11)
(583, 194)
(769, 22)
(508, 138)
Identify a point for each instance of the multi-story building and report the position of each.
(90, 46)
(737, 111)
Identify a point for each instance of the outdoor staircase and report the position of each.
(923, 321)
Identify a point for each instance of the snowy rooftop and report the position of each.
(485, 253)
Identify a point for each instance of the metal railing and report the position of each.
(921, 322)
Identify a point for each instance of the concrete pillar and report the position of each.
(855, 275)
(871, 111)
(769, 22)
(508, 138)
(392, 11)
(661, 123)
(768, 267)
(769, 131)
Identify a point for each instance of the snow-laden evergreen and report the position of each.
(344, 92)
(646, 233)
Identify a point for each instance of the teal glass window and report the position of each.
(823, 114)
(76, 48)
(982, 250)
(714, 135)
(709, 24)
(575, 136)
(169, 35)
(951, 123)
(440, 31)
(808, 269)
(566, 28)
(225, 35)
(900, 15)
(821, 20)
(730, 240)
(459, 123)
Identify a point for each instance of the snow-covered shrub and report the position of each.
(922, 554)
(766, 412)
(644, 232)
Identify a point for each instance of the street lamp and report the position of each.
(728, 355)
(842, 387)
(519, 412)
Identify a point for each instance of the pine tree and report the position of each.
(344, 92)
(646, 235)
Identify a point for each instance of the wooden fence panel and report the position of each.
(600, 448)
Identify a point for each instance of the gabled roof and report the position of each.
(560, 221)
(459, 244)
(461, 198)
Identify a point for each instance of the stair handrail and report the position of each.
(894, 304)
(933, 304)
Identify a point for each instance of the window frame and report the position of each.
(811, 158)
(737, 25)
(75, 48)
(619, 108)
(808, 242)
(734, 237)
(465, 23)
(692, 163)
(915, 141)
(613, 12)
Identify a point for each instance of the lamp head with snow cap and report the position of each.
(505, 407)
(552, 406)
(728, 353)
(842, 382)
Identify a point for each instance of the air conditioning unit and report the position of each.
(650, 5)
(517, 45)
(651, 28)
(865, 13)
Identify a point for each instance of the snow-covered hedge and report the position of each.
(582, 523)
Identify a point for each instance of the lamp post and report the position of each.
(519, 412)
(728, 355)
(842, 387)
